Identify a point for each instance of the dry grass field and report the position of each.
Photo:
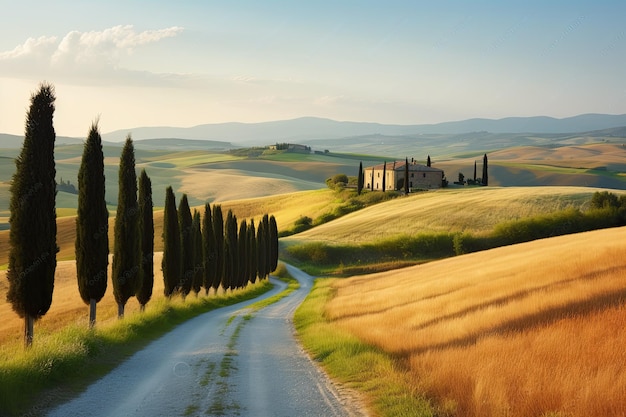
(469, 209)
(67, 306)
(535, 329)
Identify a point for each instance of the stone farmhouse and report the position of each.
(420, 176)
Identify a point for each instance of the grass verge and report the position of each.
(60, 364)
(367, 369)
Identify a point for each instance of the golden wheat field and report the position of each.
(67, 306)
(468, 209)
(523, 330)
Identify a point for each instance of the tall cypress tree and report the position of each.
(406, 176)
(267, 236)
(485, 178)
(198, 255)
(261, 247)
(273, 244)
(242, 241)
(359, 181)
(170, 263)
(92, 225)
(126, 251)
(252, 252)
(186, 240)
(384, 174)
(218, 230)
(208, 249)
(147, 239)
(474, 171)
(32, 237)
(428, 161)
(231, 252)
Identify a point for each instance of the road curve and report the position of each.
(225, 362)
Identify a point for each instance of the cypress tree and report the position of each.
(242, 241)
(252, 252)
(92, 225)
(485, 178)
(261, 247)
(208, 249)
(198, 256)
(32, 237)
(428, 161)
(267, 246)
(474, 171)
(126, 251)
(359, 181)
(372, 183)
(186, 240)
(406, 176)
(273, 228)
(146, 224)
(231, 252)
(218, 230)
(384, 174)
(170, 264)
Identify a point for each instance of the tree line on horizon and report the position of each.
(199, 253)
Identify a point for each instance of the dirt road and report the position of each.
(227, 362)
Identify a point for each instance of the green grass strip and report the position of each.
(374, 373)
(62, 363)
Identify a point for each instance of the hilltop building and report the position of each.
(420, 176)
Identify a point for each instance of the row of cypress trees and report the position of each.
(206, 253)
(210, 252)
(132, 270)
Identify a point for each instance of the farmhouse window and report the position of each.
(424, 174)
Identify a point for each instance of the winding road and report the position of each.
(226, 362)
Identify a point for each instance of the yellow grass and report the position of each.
(67, 306)
(475, 210)
(518, 331)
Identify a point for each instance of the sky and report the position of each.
(186, 63)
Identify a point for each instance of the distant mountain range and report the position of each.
(308, 128)
(229, 135)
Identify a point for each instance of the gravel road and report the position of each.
(226, 362)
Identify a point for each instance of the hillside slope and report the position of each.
(469, 209)
(533, 329)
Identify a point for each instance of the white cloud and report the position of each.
(40, 47)
(83, 54)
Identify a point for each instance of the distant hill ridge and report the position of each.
(308, 128)
(228, 135)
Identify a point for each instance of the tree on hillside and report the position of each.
(218, 230)
(198, 255)
(428, 161)
(126, 250)
(32, 237)
(474, 172)
(170, 263)
(384, 174)
(208, 249)
(92, 225)
(146, 227)
(406, 176)
(231, 252)
(261, 248)
(485, 173)
(273, 229)
(372, 183)
(242, 241)
(359, 181)
(186, 241)
(252, 253)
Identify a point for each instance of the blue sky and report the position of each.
(166, 63)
